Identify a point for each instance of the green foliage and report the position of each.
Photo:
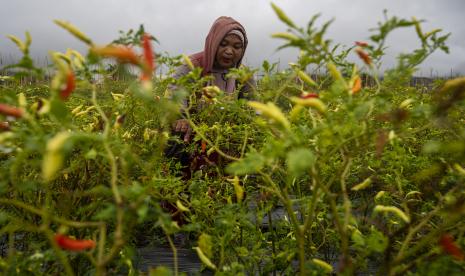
(93, 166)
(300, 160)
(131, 37)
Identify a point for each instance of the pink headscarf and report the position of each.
(205, 59)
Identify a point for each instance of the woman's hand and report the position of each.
(183, 126)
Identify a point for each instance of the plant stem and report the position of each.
(118, 235)
(425, 241)
(273, 242)
(246, 136)
(175, 255)
(210, 143)
(414, 230)
(110, 155)
(346, 205)
(101, 244)
(298, 230)
(31, 209)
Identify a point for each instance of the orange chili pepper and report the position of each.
(363, 55)
(70, 86)
(10, 111)
(361, 43)
(450, 247)
(357, 85)
(204, 146)
(73, 245)
(122, 53)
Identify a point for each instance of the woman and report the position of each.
(224, 49)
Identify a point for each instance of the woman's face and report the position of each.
(229, 52)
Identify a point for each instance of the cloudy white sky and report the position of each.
(181, 25)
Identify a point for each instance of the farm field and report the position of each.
(325, 168)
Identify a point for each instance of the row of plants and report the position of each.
(371, 178)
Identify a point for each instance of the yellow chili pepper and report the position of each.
(310, 102)
(327, 267)
(392, 209)
(205, 260)
(365, 184)
(286, 36)
(282, 16)
(74, 31)
(306, 78)
(271, 111)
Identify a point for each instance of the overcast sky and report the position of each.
(181, 25)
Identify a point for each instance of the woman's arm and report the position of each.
(181, 125)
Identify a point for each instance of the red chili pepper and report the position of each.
(70, 86)
(148, 57)
(363, 55)
(73, 245)
(450, 247)
(10, 111)
(306, 95)
(361, 43)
